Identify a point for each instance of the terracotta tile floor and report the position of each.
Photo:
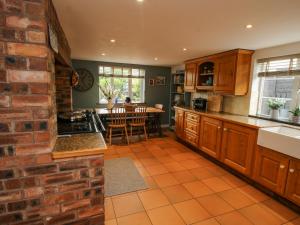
(185, 188)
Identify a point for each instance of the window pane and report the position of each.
(108, 70)
(121, 84)
(117, 71)
(138, 90)
(126, 71)
(102, 82)
(101, 70)
(135, 72)
(278, 87)
(142, 72)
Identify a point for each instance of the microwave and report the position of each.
(200, 104)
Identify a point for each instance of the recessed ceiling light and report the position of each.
(103, 54)
(112, 40)
(249, 26)
(155, 58)
(184, 49)
(139, 0)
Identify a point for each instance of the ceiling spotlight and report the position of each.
(184, 49)
(155, 58)
(112, 40)
(103, 54)
(249, 26)
(140, 0)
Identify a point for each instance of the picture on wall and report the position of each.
(151, 82)
(160, 80)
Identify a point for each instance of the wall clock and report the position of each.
(86, 80)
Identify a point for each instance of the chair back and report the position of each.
(118, 116)
(139, 115)
(159, 106)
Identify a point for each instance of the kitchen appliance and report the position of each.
(76, 122)
(200, 104)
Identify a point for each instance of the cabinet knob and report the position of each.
(219, 128)
(282, 166)
(292, 170)
(225, 129)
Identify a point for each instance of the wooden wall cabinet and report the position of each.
(293, 181)
(190, 77)
(271, 169)
(237, 148)
(179, 123)
(211, 134)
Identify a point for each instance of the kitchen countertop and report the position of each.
(79, 145)
(243, 120)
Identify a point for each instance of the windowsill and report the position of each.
(285, 121)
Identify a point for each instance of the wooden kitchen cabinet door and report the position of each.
(210, 136)
(237, 148)
(293, 182)
(225, 74)
(271, 169)
(179, 123)
(190, 77)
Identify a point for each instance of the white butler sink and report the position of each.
(282, 139)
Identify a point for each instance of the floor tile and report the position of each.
(165, 159)
(294, 222)
(165, 180)
(153, 198)
(149, 161)
(151, 182)
(191, 211)
(173, 150)
(211, 221)
(144, 154)
(216, 184)
(184, 176)
(127, 204)
(236, 198)
(135, 219)
(201, 173)
(156, 170)
(165, 215)
(197, 188)
(143, 171)
(111, 222)
(215, 205)
(189, 164)
(233, 181)
(233, 218)
(109, 210)
(174, 167)
(254, 194)
(177, 193)
(260, 216)
(279, 210)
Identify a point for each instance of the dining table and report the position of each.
(153, 116)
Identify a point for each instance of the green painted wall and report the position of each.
(153, 94)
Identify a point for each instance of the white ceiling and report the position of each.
(162, 28)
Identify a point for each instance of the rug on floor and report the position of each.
(121, 176)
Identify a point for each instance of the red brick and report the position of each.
(13, 184)
(28, 182)
(25, 138)
(98, 162)
(38, 64)
(3, 77)
(14, 62)
(24, 22)
(60, 198)
(36, 37)
(24, 126)
(10, 196)
(74, 185)
(75, 205)
(41, 114)
(45, 211)
(60, 219)
(4, 101)
(28, 76)
(33, 192)
(39, 88)
(41, 137)
(15, 114)
(39, 170)
(13, 35)
(91, 211)
(27, 50)
(30, 101)
(10, 218)
(16, 206)
(57, 178)
(33, 149)
(43, 159)
(40, 125)
(5, 127)
(33, 9)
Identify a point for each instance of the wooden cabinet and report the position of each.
(271, 169)
(210, 138)
(229, 71)
(190, 77)
(179, 123)
(293, 181)
(191, 128)
(237, 148)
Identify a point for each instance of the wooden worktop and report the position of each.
(79, 145)
(242, 120)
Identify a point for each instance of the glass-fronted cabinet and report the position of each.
(205, 75)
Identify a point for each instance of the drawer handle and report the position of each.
(292, 170)
(282, 166)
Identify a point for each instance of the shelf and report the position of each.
(205, 88)
(178, 83)
(177, 93)
(206, 74)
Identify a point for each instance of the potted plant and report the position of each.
(275, 105)
(109, 92)
(295, 115)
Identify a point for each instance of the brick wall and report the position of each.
(63, 90)
(34, 189)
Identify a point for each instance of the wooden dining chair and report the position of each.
(139, 119)
(117, 121)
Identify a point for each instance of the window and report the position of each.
(129, 81)
(279, 79)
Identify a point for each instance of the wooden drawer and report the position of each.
(192, 117)
(191, 126)
(191, 138)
